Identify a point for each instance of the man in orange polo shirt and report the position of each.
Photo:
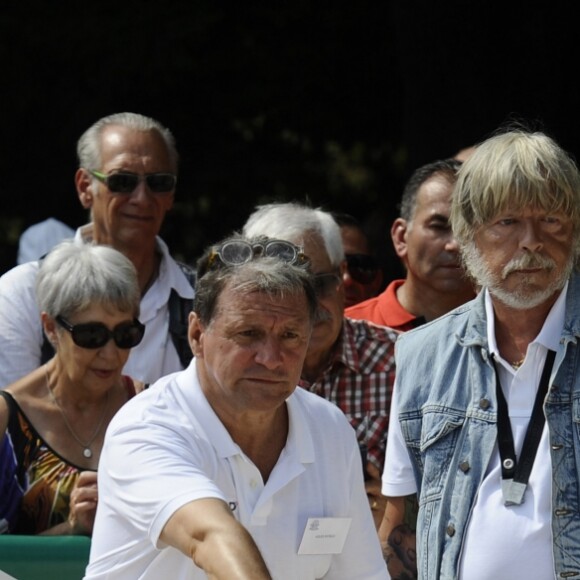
(435, 282)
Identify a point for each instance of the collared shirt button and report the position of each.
(464, 466)
(253, 483)
(450, 530)
(484, 404)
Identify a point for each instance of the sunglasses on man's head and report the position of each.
(125, 183)
(238, 252)
(96, 335)
(361, 267)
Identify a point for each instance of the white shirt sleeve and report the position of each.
(147, 473)
(21, 333)
(398, 478)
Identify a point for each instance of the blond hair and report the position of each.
(512, 171)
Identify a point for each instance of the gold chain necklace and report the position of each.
(87, 451)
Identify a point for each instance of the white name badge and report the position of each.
(324, 535)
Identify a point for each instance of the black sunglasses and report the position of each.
(125, 182)
(96, 335)
(361, 267)
(326, 283)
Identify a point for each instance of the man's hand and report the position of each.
(83, 504)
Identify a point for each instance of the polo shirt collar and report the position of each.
(299, 441)
(391, 308)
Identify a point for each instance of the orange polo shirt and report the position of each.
(385, 310)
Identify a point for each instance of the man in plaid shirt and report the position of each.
(350, 363)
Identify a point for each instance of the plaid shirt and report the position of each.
(359, 380)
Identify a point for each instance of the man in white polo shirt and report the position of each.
(486, 397)
(226, 469)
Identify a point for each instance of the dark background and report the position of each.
(331, 102)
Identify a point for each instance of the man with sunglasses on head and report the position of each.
(227, 469)
(349, 362)
(435, 281)
(126, 178)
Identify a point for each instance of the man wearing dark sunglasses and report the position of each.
(348, 362)
(363, 276)
(435, 281)
(126, 179)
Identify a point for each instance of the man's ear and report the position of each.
(399, 231)
(84, 184)
(195, 334)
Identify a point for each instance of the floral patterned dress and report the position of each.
(35, 481)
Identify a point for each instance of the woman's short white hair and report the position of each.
(73, 276)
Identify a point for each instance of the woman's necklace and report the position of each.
(87, 451)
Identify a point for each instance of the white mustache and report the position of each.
(526, 262)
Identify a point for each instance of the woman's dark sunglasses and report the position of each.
(125, 182)
(96, 335)
(361, 267)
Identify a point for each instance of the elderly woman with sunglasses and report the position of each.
(53, 420)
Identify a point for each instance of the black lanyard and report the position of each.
(515, 474)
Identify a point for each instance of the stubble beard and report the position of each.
(525, 296)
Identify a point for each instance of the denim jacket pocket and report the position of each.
(432, 438)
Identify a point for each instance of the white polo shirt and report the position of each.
(501, 542)
(167, 447)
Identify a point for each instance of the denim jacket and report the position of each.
(448, 416)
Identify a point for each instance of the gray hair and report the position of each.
(89, 145)
(270, 276)
(295, 222)
(74, 276)
(516, 169)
